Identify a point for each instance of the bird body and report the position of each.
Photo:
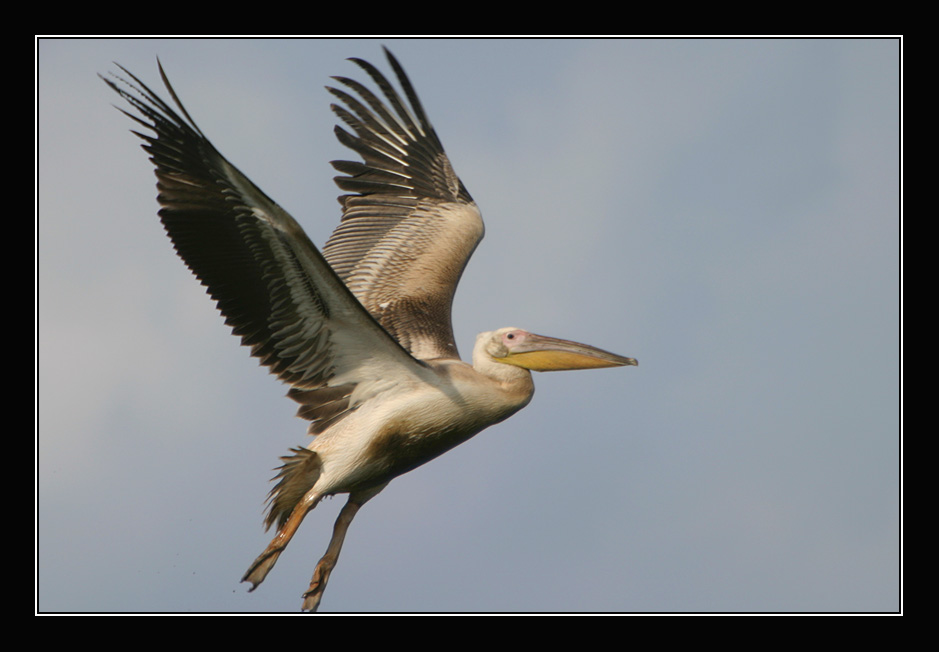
(397, 427)
(361, 332)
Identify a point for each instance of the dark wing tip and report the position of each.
(394, 137)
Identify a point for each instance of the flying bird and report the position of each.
(360, 332)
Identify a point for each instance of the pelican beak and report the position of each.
(540, 353)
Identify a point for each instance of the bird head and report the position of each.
(520, 348)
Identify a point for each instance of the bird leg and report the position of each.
(266, 560)
(313, 595)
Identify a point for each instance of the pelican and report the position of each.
(361, 332)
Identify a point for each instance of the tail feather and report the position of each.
(297, 475)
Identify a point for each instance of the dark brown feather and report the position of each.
(297, 475)
(322, 406)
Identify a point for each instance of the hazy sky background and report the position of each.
(726, 211)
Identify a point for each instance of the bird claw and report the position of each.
(313, 595)
(260, 568)
(311, 599)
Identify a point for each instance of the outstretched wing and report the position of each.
(411, 226)
(273, 287)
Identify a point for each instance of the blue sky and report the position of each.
(726, 211)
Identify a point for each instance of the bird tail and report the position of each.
(297, 475)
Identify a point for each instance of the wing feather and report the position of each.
(275, 290)
(410, 227)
